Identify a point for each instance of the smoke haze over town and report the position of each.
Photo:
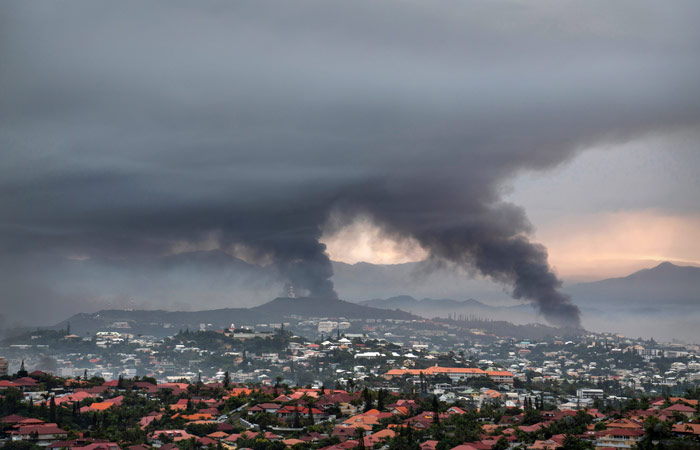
(193, 156)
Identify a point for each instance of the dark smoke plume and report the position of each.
(491, 240)
(138, 130)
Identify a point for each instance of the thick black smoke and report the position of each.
(134, 131)
(491, 239)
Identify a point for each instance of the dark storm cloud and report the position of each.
(127, 128)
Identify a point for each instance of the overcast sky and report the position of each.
(474, 133)
(607, 212)
(616, 209)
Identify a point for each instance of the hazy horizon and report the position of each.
(163, 291)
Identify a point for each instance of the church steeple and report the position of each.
(22, 371)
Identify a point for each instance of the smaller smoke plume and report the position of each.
(307, 268)
(495, 245)
(514, 262)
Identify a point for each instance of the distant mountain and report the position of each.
(362, 281)
(203, 280)
(428, 306)
(160, 323)
(314, 307)
(469, 309)
(165, 323)
(662, 302)
(156, 322)
(666, 285)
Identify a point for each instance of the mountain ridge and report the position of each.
(663, 285)
(163, 322)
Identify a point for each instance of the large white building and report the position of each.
(590, 393)
(327, 326)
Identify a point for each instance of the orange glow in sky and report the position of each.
(584, 247)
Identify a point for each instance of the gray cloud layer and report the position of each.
(127, 127)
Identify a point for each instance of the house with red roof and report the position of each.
(399, 411)
(376, 438)
(176, 388)
(282, 398)
(408, 403)
(429, 444)
(176, 435)
(232, 438)
(680, 408)
(4, 384)
(314, 436)
(26, 383)
(145, 386)
(424, 420)
(146, 420)
(43, 434)
(12, 419)
(29, 421)
(687, 401)
(622, 438)
(180, 405)
(686, 429)
(75, 397)
(206, 441)
(139, 447)
(98, 446)
(465, 447)
(547, 444)
(97, 406)
(271, 408)
(531, 428)
(290, 411)
(455, 410)
(346, 445)
(625, 423)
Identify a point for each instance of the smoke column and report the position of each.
(135, 131)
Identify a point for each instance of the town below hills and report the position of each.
(661, 302)
(233, 378)
(312, 384)
(280, 311)
(666, 295)
(275, 312)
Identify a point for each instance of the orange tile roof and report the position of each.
(240, 391)
(375, 438)
(361, 421)
(687, 401)
(198, 417)
(217, 435)
(689, 428)
(401, 410)
(101, 406)
(624, 423)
